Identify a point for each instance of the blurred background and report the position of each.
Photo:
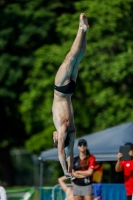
(35, 36)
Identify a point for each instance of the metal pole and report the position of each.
(41, 173)
(35, 161)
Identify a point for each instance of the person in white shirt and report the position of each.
(3, 195)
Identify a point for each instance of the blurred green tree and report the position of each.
(35, 36)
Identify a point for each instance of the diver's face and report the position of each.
(55, 136)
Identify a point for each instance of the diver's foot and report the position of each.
(83, 22)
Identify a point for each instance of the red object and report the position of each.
(127, 167)
(91, 163)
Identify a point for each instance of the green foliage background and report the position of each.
(35, 36)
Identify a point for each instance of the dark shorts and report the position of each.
(82, 190)
(129, 197)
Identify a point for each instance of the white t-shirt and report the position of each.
(2, 193)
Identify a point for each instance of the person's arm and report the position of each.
(89, 172)
(77, 175)
(118, 167)
(131, 153)
(86, 173)
(62, 183)
(61, 149)
(70, 152)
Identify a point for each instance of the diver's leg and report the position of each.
(65, 70)
(80, 56)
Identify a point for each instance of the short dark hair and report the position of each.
(66, 142)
